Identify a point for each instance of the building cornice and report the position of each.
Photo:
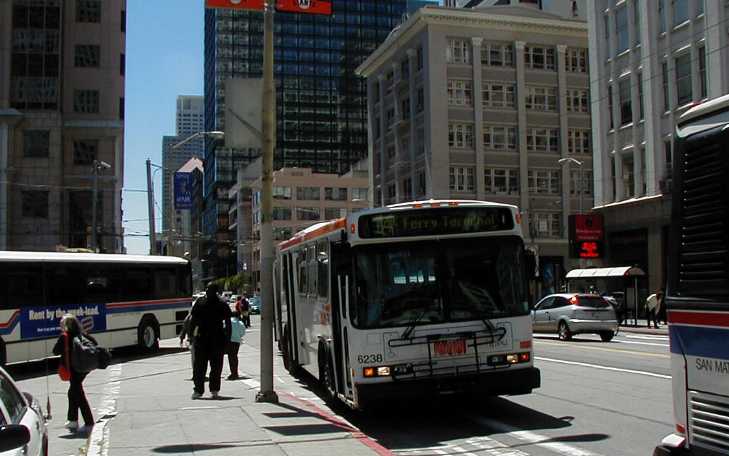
(461, 18)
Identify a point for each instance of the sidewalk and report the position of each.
(151, 413)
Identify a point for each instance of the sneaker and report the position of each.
(232, 377)
(85, 429)
(71, 425)
(214, 394)
(196, 395)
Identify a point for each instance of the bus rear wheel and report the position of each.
(148, 335)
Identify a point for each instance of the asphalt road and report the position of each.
(596, 399)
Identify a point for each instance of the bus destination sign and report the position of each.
(434, 222)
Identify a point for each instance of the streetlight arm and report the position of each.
(214, 134)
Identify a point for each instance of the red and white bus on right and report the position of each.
(697, 297)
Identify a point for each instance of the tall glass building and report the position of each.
(321, 103)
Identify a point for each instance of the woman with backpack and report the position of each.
(70, 330)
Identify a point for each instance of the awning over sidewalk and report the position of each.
(596, 273)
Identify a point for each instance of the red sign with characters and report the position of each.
(586, 235)
(255, 5)
(304, 6)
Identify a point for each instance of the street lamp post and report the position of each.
(568, 160)
(98, 165)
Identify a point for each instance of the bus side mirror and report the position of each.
(13, 436)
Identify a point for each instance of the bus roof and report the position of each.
(704, 109)
(63, 257)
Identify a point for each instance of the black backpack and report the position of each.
(87, 356)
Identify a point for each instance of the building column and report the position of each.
(637, 170)
(4, 208)
(118, 240)
(478, 117)
(717, 56)
(396, 128)
(522, 132)
(652, 96)
(619, 183)
(383, 133)
(413, 95)
(566, 169)
(597, 57)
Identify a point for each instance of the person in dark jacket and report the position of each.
(210, 329)
(71, 329)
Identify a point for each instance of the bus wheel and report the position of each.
(148, 335)
(3, 353)
(564, 331)
(326, 372)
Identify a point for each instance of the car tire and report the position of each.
(563, 331)
(607, 336)
(148, 335)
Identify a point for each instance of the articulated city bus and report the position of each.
(698, 283)
(409, 299)
(121, 299)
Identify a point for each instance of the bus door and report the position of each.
(288, 308)
(341, 278)
(302, 315)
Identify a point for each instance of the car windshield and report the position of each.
(437, 282)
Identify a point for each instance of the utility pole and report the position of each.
(150, 210)
(98, 165)
(266, 393)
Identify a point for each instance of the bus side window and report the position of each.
(301, 270)
(138, 285)
(64, 285)
(25, 286)
(4, 288)
(184, 281)
(103, 285)
(165, 283)
(311, 260)
(322, 269)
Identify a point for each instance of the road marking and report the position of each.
(536, 439)
(98, 443)
(642, 343)
(596, 366)
(615, 350)
(647, 336)
(201, 408)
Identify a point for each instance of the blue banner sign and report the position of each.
(183, 191)
(44, 321)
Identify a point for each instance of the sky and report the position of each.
(165, 41)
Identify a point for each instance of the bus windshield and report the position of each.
(438, 281)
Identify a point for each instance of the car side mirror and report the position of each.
(13, 436)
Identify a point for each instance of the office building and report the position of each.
(62, 67)
(189, 120)
(651, 60)
(483, 103)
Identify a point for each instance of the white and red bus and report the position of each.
(121, 299)
(697, 295)
(409, 299)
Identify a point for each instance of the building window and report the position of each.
(87, 56)
(493, 54)
(680, 11)
(543, 140)
(579, 141)
(375, 92)
(88, 10)
(308, 213)
(121, 108)
(281, 213)
(702, 70)
(641, 112)
(405, 109)
(699, 7)
(389, 118)
(628, 176)
(499, 138)
(307, 193)
(123, 21)
(421, 183)
(122, 64)
(405, 69)
(497, 95)
(501, 181)
(35, 203)
(621, 28)
(421, 100)
(666, 95)
(391, 193)
(377, 129)
(626, 107)
(586, 182)
(460, 135)
(36, 143)
(610, 106)
(541, 98)
(86, 101)
(407, 187)
(576, 60)
(391, 152)
(85, 151)
(360, 194)
(459, 51)
(578, 100)
(547, 224)
(335, 193)
(282, 193)
(331, 213)
(661, 16)
(683, 79)
(460, 92)
(539, 58)
(461, 179)
(544, 182)
(419, 58)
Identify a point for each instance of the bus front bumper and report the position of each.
(493, 383)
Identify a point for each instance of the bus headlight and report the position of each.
(383, 371)
(378, 371)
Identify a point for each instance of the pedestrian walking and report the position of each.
(238, 330)
(652, 307)
(186, 333)
(244, 307)
(70, 330)
(210, 329)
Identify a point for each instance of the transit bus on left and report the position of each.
(122, 300)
